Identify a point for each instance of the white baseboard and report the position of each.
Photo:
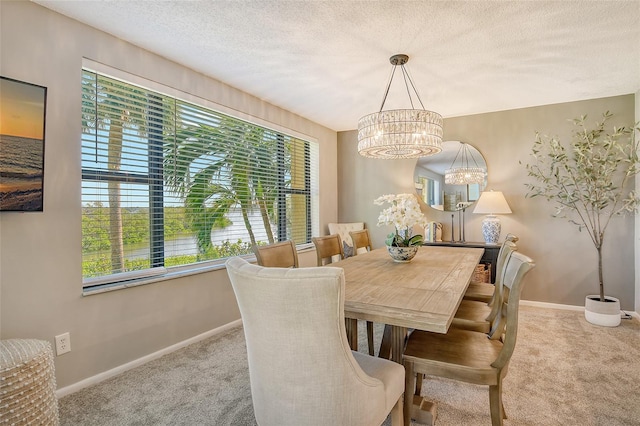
(138, 362)
(565, 307)
(551, 305)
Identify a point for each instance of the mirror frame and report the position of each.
(429, 178)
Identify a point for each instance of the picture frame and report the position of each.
(22, 136)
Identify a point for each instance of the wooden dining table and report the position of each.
(421, 294)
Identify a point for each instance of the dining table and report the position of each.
(422, 294)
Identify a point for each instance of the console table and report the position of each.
(490, 252)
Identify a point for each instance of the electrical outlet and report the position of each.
(63, 343)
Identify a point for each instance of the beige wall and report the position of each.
(566, 259)
(40, 257)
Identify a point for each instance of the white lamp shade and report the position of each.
(492, 202)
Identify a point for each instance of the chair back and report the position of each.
(361, 239)
(301, 368)
(279, 255)
(507, 248)
(343, 230)
(506, 326)
(328, 249)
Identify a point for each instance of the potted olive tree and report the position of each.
(586, 180)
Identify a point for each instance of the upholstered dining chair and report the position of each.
(301, 368)
(343, 229)
(328, 249)
(280, 255)
(479, 316)
(361, 239)
(484, 292)
(469, 356)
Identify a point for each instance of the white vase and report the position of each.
(491, 229)
(605, 313)
(402, 254)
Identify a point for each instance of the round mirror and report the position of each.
(453, 179)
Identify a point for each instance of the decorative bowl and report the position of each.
(402, 254)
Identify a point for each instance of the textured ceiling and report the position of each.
(328, 60)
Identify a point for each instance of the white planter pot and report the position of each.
(606, 313)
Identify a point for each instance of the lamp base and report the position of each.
(491, 229)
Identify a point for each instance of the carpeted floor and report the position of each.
(564, 372)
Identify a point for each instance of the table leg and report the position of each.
(385, 345)
(416, 407)
(398, 337)
(351, 325)
(422, 411)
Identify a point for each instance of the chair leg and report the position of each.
(495, 402)
(397, 416)
(370, 337)
(409, 385)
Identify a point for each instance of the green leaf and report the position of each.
(416, 240)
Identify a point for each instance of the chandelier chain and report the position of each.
(405, 71)
(386, 92)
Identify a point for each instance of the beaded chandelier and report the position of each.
(464, 173)
(400, 133)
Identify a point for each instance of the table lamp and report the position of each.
(491, 203)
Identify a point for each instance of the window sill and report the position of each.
(178, 272)
(170, 275)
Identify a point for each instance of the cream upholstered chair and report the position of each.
(469, 356)
(361, 239)
(479, 316)
(343, 230)
(280, 255)
(484, 292)
(301, 369)
(328, 249)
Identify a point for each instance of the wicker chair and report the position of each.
(361, 240)
(328, 249)
(281, 255)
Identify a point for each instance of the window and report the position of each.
(167, 183)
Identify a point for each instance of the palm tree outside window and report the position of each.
(169, 183)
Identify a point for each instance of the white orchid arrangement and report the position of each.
(404, 213)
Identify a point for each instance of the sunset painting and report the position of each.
(22, 123)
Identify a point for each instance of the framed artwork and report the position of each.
(22, 123)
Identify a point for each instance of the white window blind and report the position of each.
(168, 183)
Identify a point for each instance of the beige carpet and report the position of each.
(564, 372)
